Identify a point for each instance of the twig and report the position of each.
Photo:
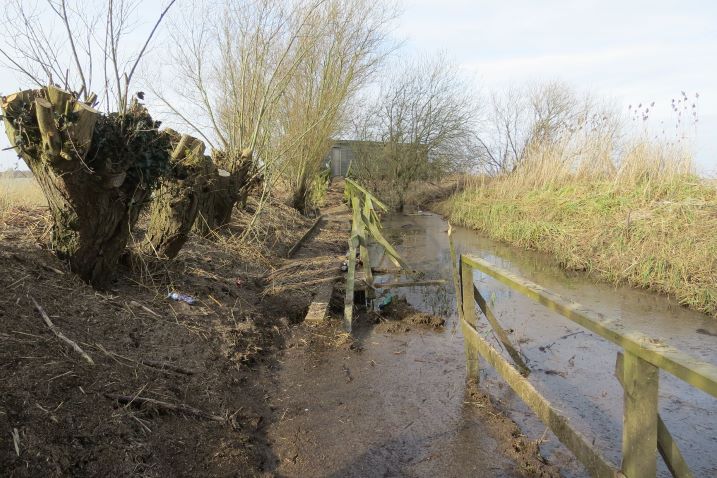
(16, 440)
(181, 408)
(162, 366)
(167, 366)
(59, 334)
(145, 308)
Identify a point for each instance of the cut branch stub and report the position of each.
(49, 135)
(80, 131)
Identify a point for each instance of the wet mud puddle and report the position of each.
(399, 406)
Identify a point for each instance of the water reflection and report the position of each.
(572, 367)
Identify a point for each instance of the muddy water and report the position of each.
(572, 367)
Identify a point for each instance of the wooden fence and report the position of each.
(637, 369)
(365, 226)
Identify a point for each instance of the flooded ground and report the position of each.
(571, 367)
(394, 402)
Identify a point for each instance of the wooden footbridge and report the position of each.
(637, 369)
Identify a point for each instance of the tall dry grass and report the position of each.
(635, 213)
(19, 192)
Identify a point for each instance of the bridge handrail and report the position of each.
(700, 374)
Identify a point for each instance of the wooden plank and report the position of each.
(393, 255)
(666, 445)
(301, 240)
(415, 283)
(501, 333)
(320, 304)
(455, 272)
(469, 316)
(670, 452)
(696, 372)
(596, 465)
(639, 421)
(349, 299)
(358, 187)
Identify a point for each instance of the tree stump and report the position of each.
(96, 171)
(229, 185)
(176, 201)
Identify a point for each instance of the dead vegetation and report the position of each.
(158, 395)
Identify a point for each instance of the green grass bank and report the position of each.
(654, 233)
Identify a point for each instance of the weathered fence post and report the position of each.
(469, 316)
(639, 424)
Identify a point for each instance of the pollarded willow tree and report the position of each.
(351, 42)
(242, 68)
(176, 201)
(96, 169)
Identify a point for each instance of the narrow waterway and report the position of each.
(570, 366)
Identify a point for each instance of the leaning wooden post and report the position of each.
(455, 272)
(639, 424)
(469, 319)
(351, 275)
(365, 256)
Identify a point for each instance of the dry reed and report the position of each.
(638, 215)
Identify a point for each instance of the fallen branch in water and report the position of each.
(417, 283)
(59, 334)
(180, 408)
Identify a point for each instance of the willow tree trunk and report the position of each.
(176, 200)
(229, 185)
(300, 197)
(96, 172)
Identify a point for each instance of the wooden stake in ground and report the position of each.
(59, 334)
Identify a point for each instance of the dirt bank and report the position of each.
(58, 413)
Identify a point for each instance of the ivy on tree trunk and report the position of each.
(96, 171)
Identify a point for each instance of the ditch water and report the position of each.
(570, 366)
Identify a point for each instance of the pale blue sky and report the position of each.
(630, 51)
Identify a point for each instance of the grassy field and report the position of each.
(19, 192)
(645, 220)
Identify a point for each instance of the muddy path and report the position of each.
(393, 401)
(388, 404)
(387, 401)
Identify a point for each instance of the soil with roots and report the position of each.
(58, 413)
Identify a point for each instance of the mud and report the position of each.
(57, 414)
(389, 405)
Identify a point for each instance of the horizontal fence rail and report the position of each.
(637, 369)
